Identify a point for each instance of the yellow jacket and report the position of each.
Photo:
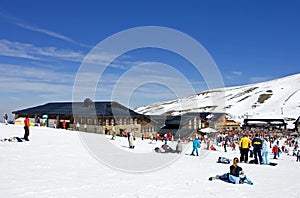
(245, 142)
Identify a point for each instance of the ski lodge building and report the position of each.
(112, 117)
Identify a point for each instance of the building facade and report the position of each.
(88, 116)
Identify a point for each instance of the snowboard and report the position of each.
(273, 164)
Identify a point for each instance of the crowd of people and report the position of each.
(259, 144)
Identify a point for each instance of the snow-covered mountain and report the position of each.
(279, 98)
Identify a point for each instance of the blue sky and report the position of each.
(42, 44)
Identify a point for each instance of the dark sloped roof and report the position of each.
(297, 122)
(213, 116)
(172, 121)
(67, 109)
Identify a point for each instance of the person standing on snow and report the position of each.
(257, 146)
(165, 139)
(265, 151)
(225, 144)
(196, 145)
(130, 140)
(5, 117)
(275, 151)
(26, 128)
(245, 145)
(298, 156)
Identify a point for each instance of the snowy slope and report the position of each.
(273, 99)
(55, 163)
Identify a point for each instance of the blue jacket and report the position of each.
(196, 143)
(257, 143)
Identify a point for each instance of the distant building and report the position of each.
(182, 126)
(219, 121)
(89, 116)
(191, 123)
(264, 123)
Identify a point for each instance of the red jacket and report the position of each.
(275, 149)
(27, 122)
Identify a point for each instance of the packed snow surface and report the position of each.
(56, 163)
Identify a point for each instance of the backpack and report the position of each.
(223, 160)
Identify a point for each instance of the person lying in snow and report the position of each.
(165, 149)
(13, 139)
(235, 176)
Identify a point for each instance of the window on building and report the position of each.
(135, 121)
(107, 122)
(125, 121)
(112, 122)
(89, 121)
(131, 121)
(121, 121)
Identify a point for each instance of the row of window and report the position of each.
(108, 122)
(195, 126)
(148, 129)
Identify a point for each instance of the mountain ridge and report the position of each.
(276, 98)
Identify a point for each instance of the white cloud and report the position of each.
(25, 50)
(259, 79)
(237, 73)
(17, 79)
(47, 32)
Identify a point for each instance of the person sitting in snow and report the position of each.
(236, 174)
(212, 148)
(179, 147)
